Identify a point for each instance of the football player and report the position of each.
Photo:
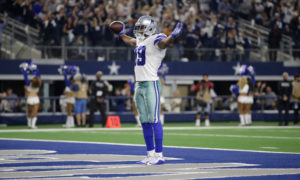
(150, 49)
(31, 90)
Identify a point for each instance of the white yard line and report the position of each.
(142, 145)
(209, 135)
(135, 128)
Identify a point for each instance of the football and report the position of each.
(116, 26)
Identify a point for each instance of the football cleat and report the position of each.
(146, 160)
(156, 161)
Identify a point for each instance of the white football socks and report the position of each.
(159, 154)
(151, 153)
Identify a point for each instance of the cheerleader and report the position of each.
(243, 99)
(250, 100)
(69, 97)
(244, 90)
(31, 91)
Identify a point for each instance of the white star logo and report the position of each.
(113, 68)
(237, 68)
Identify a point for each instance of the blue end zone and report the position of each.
(186, 155)
(277, 177)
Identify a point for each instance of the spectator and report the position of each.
(190, 42)
(259, 90)
(13, 101)
(176, 102)
(259, 12)
(30, 17)
(4, 103)
(120, 101)
(51, 5)
(296, 98)
(274, 42)
(79, 89)
(247, 47)
(295, 33)
(69, 30)
(224, 9)
(92, 18)
(203, 98)
(232, 26)
(17, 10)
(270, 98)
(245, 8)
(284, 92)
(230, 45)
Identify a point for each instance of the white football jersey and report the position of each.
(148, 58)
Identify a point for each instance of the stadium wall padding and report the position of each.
(59, 118)
(47, 67)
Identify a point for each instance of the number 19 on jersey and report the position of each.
(140, 55)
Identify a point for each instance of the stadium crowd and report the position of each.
(208, 24)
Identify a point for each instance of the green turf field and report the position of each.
(262, 136)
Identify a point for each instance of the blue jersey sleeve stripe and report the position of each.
(161, 36)
(157, 40)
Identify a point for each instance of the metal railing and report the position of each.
(172, 104)
(17, 39)
(176, 53)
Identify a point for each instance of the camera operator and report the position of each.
(203, 99)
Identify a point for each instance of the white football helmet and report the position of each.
(144, 27)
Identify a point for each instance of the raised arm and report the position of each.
(67, 82)
(25, 74)
(23, 67)
(165, 42)
(127, 39)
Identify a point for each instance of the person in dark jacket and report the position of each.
(247, 47)
(98, 90)
(274, 42)
(284, 93)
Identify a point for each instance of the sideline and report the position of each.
(142, 145)
(139, 128)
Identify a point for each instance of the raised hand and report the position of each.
(123, 30)
(23, 67)
(177, 30)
